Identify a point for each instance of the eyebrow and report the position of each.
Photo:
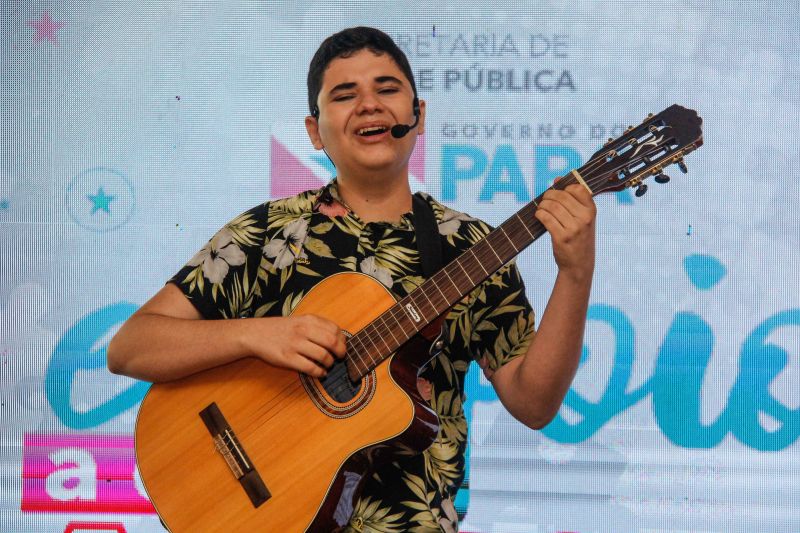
(378, 79)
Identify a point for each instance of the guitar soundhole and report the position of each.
(338, 384)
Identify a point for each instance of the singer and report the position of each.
(365, 113)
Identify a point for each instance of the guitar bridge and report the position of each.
(232, 451)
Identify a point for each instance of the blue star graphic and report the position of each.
(4, 204)
(100, 201)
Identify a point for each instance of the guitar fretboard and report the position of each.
(384, 335)
(647, 149)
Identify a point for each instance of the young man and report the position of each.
(260, 265)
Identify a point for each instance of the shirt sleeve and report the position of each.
(220, 278)
(502, 320)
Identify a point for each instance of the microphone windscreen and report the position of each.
(399, 130)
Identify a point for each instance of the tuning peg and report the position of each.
(649, 116)
(661, 178)
(640, 190)
(682, 166)
(609, 141)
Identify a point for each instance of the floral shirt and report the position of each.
(264, 261)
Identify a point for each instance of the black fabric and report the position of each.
(429, 244)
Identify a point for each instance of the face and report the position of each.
(362, 97)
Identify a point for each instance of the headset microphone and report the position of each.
(400, 130)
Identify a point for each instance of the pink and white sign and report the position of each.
(81, 473)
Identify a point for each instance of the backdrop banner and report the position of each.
(132, 131)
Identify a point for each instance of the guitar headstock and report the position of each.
(645, 150)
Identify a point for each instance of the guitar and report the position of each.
(250, 447)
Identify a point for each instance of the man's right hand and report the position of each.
(306, 343)
(167, 339)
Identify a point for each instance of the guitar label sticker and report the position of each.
(413, 312)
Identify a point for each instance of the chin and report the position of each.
(379, 163)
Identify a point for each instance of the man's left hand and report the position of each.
(569, 216)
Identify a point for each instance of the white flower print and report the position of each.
(218, 255)
(451, 221)
(382, 274)
(286, 250)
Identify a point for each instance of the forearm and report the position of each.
(543, 376)
(156, 348)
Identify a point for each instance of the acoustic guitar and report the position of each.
(250, 447)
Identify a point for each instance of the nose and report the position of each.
(368, 103)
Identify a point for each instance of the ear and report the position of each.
(312, 128)
(421, 125)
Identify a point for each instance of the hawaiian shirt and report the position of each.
(265, 260)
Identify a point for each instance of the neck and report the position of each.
(374, 199)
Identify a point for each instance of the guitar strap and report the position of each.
(429, 243)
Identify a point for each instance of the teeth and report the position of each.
(372, 129)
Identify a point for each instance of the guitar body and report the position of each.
(309, 451)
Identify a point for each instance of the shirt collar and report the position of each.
(330, 203)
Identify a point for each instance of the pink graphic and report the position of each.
(46, 28)
(416, 165)
(289, 176)
(81, 473)
(78, 527)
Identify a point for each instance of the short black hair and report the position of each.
(344, 44)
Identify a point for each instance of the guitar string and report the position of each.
(379, 324)
(568, 179)
(296, 386)
(379, 328)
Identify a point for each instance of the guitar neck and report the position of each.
(642, 151)
(384, 335)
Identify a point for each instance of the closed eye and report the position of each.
(385, 90)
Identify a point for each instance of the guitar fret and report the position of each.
(399, 322)
(458, 261)
(453, 283)
(355, 356)
(392, 311)
(378, 327)
(524, 225)
(390, 330)
(509, 239)
(430, 302)
(357, 339)
(383, 338)
(359, 359)
(509, 253)
(433, 281)
(365, 367)
(358, 363)
(489, 244)
(519, 232)
(471, 250)
(372, 360)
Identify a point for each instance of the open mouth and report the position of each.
(372, 130)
